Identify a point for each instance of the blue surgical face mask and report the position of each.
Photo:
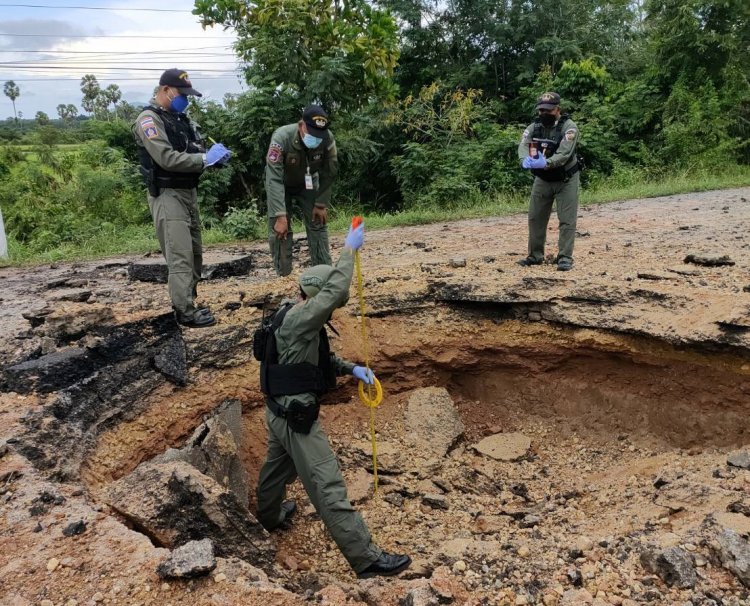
(311, 142)
(178, 103)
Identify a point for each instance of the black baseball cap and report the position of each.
(178, 78)
(316, 119)
(548, 101)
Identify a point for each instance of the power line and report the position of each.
(90, 67)
(92, 36)
(74, 62)
(187, 51)
(97, 8)
(202, 78)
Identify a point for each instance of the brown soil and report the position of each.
(654, 382)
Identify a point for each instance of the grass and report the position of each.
(626, 185)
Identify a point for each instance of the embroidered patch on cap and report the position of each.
(275, 151)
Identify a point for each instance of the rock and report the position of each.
(458, 262)
(215, 266)
(650, 275)
(535, 316)
(193, 559)
(422, 595)
(737, 522)
(74, 528)
(76, 295)
(70, 322)
(220, 578)
(52, 564)
(739, 458)
(107, 263)
(394, 498)
(584, 544)
(50, 372)
(174, 503)
(214, 449)
(419, 568)
(575, 577)
(436, 501)
(459, 566)
(523, 551)
(708, 260)
(733, 551)
(504, 446)
(432, 421)
(171, 360)
(576, 597)
(674, 565)
(360, 486)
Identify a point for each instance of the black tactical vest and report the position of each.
(184, 138)
(292, 379)
(550, 147)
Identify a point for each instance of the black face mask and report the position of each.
(547, 119)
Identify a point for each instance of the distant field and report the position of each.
(63, 147)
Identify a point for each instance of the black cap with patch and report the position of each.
(548, 101)
(178, 78)
(316, 120)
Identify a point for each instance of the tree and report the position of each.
(112, 94)
(42, 119)
(12, 91)
(67, 112)
(90, 89)
(340, 53)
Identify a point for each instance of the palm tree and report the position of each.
(12, 91)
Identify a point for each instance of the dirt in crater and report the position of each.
(606, 413)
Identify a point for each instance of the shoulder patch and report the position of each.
(148, 126)
(525, 135)
(275, 152)
(570, 134)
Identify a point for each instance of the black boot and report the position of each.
(386, 565)
(287, 509)
(528, 261)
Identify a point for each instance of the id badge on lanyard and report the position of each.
(308, 180)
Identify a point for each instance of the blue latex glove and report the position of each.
(364, 374)
(539, 162)
(217, 154)
(356, 237)
(526, 162)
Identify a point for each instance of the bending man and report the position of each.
(297, 444)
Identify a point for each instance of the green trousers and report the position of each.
(543, 193)
(317, 236)
(178, 228)
(310, 457)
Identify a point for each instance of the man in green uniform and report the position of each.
(301, 165)
(548, 149)
(173, 156)
(297, 445)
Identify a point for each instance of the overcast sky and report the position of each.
(51, 48)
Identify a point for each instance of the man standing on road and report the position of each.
(293, 378)
(548, 149)
(172, 155)
(301, 165)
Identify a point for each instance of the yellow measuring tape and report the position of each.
(371, 395)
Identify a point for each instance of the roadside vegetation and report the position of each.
(428, 105)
